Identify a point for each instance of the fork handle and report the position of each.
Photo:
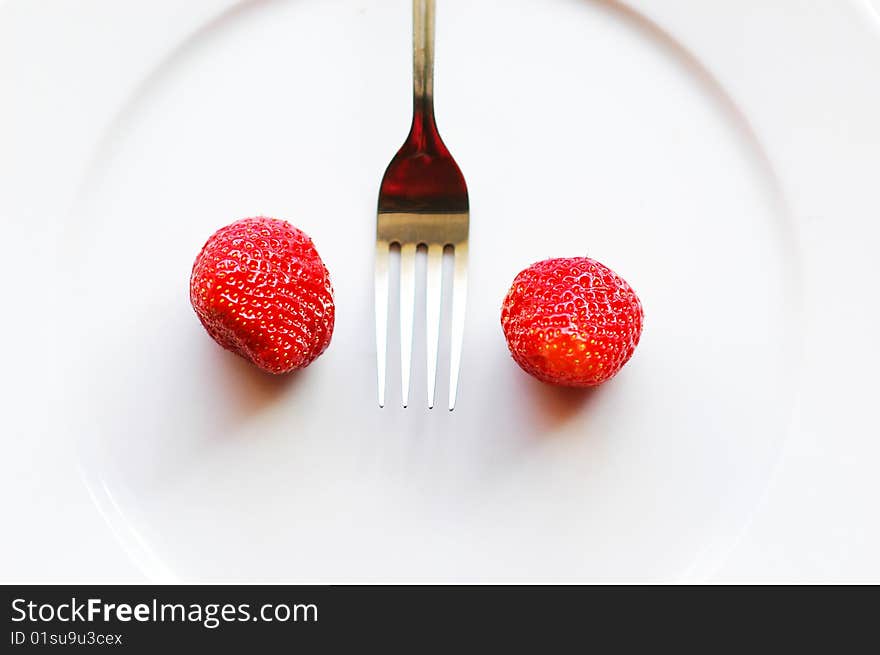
(423, 58)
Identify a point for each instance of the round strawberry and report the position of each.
(261, 290)
(571, 321)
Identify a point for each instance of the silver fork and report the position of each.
(423, 202)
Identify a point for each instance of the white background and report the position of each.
(803, 78)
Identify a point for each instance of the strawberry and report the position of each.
(572, 322)
(261, 290)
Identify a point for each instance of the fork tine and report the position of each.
(459, 299)
(381, 299)
(407, 310)
(433, 297)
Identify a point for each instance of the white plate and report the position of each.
(581, 128)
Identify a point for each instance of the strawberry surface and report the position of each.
(261, 290)
(571, 321)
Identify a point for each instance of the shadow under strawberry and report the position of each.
(550, 407)
(251, 389)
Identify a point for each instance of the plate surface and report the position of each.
(609, 141)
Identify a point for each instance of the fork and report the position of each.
(423, 202)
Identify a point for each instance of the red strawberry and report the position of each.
(572, 322)
(261, 290)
